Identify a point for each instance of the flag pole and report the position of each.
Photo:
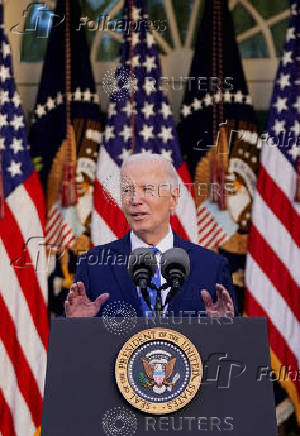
(131, 75)
(213, 162)
(217, 165)
(222, 159)
(69, 194)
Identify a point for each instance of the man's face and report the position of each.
(147, 197)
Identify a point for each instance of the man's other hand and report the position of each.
(223, 307)
(79, 305)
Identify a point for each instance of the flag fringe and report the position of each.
(38, 432)
(287, 385)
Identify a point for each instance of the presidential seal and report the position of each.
(158, 371)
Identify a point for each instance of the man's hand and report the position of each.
(223, 307)
(79, 305)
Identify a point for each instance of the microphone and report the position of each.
(175, 267)
(142, 266)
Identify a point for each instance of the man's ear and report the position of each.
(174, 199)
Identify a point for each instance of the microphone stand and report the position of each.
(144, 291)
(159, 307)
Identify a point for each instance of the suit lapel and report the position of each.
(128, 289)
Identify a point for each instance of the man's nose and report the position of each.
(136, 197)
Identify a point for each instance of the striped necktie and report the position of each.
(152, 292)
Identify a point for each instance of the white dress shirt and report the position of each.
(165, 244)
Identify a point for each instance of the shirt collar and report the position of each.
(165, 244)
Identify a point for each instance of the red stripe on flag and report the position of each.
(276, 271)
(204, 218)
(54, 212)
(178, 227)
(25, 378)
(208, 223)
(280, 205)
(66, 238)
(213, 238)
(201, 209)
(209, 233)
(56, 223)
(184, 174)
(59, 239)
(6, 420)
(35, 192)
(110, 211)
(10, 231)
(277, 341)
(69, 240)
(219, 241)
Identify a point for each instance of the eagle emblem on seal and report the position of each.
(158, 366)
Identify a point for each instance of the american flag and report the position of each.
(150, 129)
(48, 126)
(67, 228)
(23, 289)
(219, 95)
(273, 262)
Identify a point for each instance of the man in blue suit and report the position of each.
(102, 273)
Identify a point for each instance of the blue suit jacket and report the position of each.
(103, 269)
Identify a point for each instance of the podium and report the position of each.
(83, 398)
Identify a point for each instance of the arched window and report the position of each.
(260, 27)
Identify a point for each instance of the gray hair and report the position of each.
(147, 157)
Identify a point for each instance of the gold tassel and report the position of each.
(69, 191)
(223, 149)
(202, 179)
(214, 175)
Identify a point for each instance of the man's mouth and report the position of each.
(137, 216)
